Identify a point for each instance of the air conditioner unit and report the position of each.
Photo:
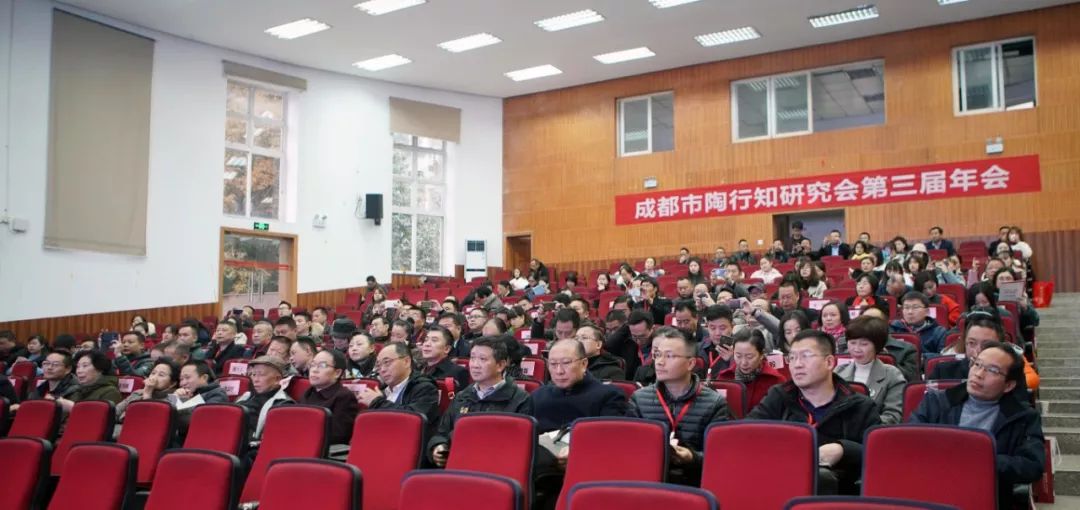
(475, 259)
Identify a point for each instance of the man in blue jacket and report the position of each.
(915, 307)
(989, 402)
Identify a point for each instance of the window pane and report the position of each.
(401, 232)
(268, 137)
(663, 122)
(402, 139)
(977, 68)
(265, 186)
(402, 163)
(269, 105)
(429, 143)
(429, 166)
(791, 108)
(635, 117)
(429, 244)
(402, 196)
(235, 201)
(1018, 66)
(752, 102)
(848, 97)
(430, 198)
(237, 98)
(235, 130)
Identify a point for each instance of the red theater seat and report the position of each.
(509, 453)
(429, 490)
(386, 445)
(149, 427)
(300, 431)
(216, 476)
(638, 496)
(310, 483)
(88, 421)
(604, 449)
(218, 427)
(739, 454)
(861, 503)
(25, 464)
(96, 476)
(37, 418)
(914, 392)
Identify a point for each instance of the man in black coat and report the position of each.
(573, 392)
(989, 401)
(682, 401)
(224, 347)
(817, 396)
(937, 242)
(402, 387)
(834, 246)
(632, 341)
(602, 365)
(435, 357)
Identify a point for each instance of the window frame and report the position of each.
(621, 128)
(770, 101)
(959, 78)
(415, 182)
(252, 149)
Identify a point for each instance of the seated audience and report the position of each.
(58, 380)
(301, 354)
(680, 399)
(131, 356)
(573, 392)
(810, 279)
(361, 357)
(916, 321)
(778, 252)
(766, 272)
(834, 246)
(162, 380)
(402, 387)
(751, 367)
(901, 351)
(600, 364)
(224, 347)
(266, 373)
(989, 401)
(716, 348)
(821, 398)
(938, 242)
(652, 301)
(981, 328)
(286, 326)
(401, 331)
(92, 371)
(489, 392)
(743, 255)
(261, 333)
(787, 296)
(926, 282)
(866, 337)
(834, 321)
(435, 358)
(197, 387)
(326, 370)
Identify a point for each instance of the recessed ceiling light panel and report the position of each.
(625, 55)
(947, 2)
(470, 42)
(378, 7)
(574, 19)
(664, 4)
(533, 72)
(728, 36)
(861, 13)
(383, 62)
(298, 28)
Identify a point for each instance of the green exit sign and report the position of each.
(262, 226)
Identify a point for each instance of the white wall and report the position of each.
(344, 151)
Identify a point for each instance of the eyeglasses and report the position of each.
(563, 364)
(804, 357)
(47, 364)
(975, 363)
(667, 356)
(912, 308)
(322, 365)
(383, 363)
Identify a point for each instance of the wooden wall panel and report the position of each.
(561, 171)
(111, 321)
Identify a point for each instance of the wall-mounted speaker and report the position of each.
(373, 207)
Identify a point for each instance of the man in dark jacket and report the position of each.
(602, 365)
(817, 396)
(454, 322)
(325, 372)
(435, 357)
(402, 387)
(631, 341)
(989, 401)
(915, 306)
(937, 242)
(681, 400)
(131, 356)
(979, 330)
(224, 347)
(197, 387)
(10, 351)
(573, 392)
(716, 348)
(834, 246)
(490, 392)
(59, 381)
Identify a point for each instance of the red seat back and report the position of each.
(839, 293)
(627, 387)
(861, 503)
(447, 391)
(356, 385)
(534, 368)
(128, 384)
(735, 394)
(216, 475)
(638, 496)
(234, 386)
(25, 463)
(24, 369)
(96, 476)
(915, 391)
(310, 483)
(218, 427)
(932, 363)
(739, 454)
(297, 387)
(300, 431)
(149, 427)
(37, 418)
(956, 291)
(386, 444)
(528, 386)
(428, 489)
(236, 367)
(89, 421)
(627, 449)
(972, 476)
(20, 385)
(509, 453)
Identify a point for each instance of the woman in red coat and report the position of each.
(750, 367)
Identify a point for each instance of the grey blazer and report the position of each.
(886, 385)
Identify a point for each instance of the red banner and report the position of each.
(1000, 176)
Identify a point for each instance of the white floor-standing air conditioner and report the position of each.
(475, 259)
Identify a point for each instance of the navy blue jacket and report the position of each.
(556, 408)
(1018, 435)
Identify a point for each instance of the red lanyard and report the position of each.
(809, 414)
(667, 410)
(644, 360)
(712, 363)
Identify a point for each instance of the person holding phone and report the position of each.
(716, 348)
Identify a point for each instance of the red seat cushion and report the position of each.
(459, 490)
(25, 463)
(639, 496)
(219, 428)
(89, 421)
(37, 418)
(215, 474)
(149, 427)
(386, 444)
(310, 483)
(96, 476)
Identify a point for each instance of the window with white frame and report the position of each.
(825, 99)
(418, 204)
(994, 77)
(254, 151)
(647, 124)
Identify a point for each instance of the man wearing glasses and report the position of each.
(402, 387)
(325, 372)
(681, 400)
(915, 306)
(817, 396)
(989, 401)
